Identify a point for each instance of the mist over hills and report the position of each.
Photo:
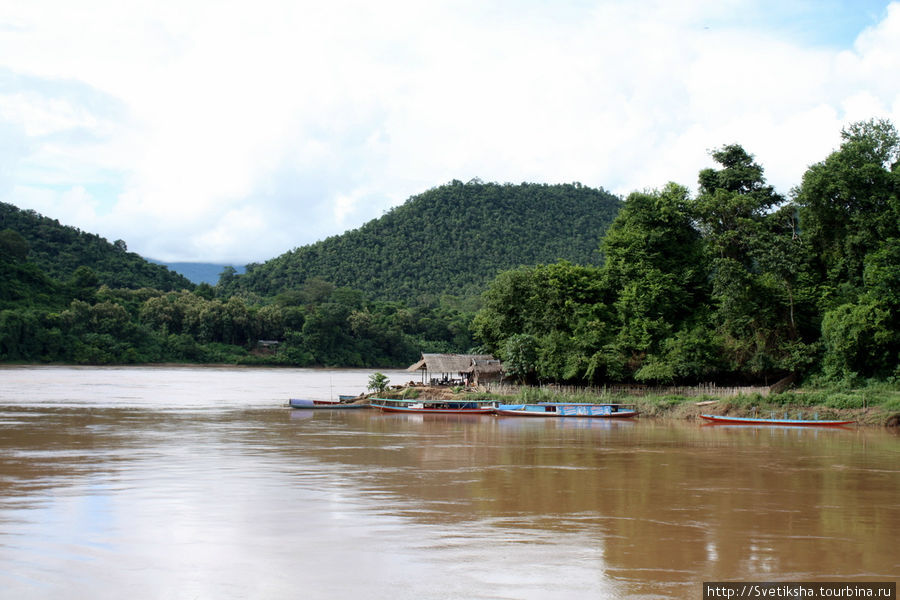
(199, 272)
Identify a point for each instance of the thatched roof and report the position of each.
(448, 363)
(490, 365)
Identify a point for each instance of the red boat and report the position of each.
(773, 421)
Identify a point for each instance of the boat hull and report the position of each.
(435, 411)
(560, 410)
(303, 403)
(759, 421)
(544, 415)
(435, 407)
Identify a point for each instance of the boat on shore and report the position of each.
(718, 419)
(306, 403)
(567, 409)
(436, 407)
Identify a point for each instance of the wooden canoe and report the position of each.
(436, 407)
(773, 421)
(322, 404)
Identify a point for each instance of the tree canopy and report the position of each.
(451, 240)
(732, 284)
(735, 284)
(58, 250)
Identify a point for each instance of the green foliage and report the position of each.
(378, 382)
(13, 246)
(860, 341)
(734, 285)
(59, 250)
(449, 240)
(850, 207)
(409, 393)
(43, 321)
(520, 356)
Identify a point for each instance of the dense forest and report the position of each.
(450, 240)
(733, 284)
(58, 250)
(80, 319)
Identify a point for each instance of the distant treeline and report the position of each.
(733, 284)
(55, 306)
(318, 324)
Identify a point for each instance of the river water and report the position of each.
(176, 483)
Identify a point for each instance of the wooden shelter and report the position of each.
(456, 369)
(488, 370)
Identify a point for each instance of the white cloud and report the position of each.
(236, 131)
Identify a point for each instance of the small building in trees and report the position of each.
(458, 369)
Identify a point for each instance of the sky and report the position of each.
(234, 131)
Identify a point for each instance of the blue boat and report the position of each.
(568, 409)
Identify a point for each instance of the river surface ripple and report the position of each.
(198, 483)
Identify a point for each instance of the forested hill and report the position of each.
(452, 239)
(58, 250)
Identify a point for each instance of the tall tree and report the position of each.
(850, 216)
(754, 267)
(655, 271)
(849, 205)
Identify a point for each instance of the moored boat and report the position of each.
(773, 421)
(322, 404)
(568, 409)
(432, 407)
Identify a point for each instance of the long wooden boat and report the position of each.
(436, 407)
(568, 409)
(322, 404)
(773, 421)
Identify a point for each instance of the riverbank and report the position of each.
(875, 405)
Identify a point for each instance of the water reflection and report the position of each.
(99, 498)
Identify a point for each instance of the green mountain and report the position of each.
(58, 250)
(452, 239)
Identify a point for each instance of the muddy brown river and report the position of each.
(184, 483)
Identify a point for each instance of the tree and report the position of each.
(732, 204)
(520, 355)
(850, 218)
(13, 246)
(655, 273)
(378, 382)
(756, 265)
(860, 341)
(849, 205)
(84, 283)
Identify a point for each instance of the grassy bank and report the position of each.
(876, 404)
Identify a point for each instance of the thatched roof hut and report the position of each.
(455, 368)
(485, 371)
